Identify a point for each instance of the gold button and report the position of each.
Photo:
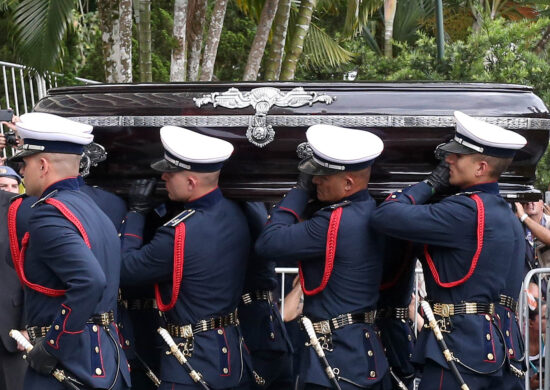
(508, 314)
(487, 317)
(94, 328)
(98, 371)
(63, 311)
(127, 342)
(367, 335)
(394, 196)
(272, 335)
(56, 327)
(52, 342)
(409, 337)
(120, 235)
(372, 374)
(96, 349)
(220, 331)
(224, 350)
(225, 370)
(370, 353)
(490, 356)
(508, 333)
(488, 336)
(121, 325)
(511, 351)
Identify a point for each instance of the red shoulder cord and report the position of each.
(480, 229)
(179, 251)
(18, 255)
(406, 264)
(330, 252)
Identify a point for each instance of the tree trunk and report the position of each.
(260, 40)
(273, 66)
(145, 71)
(116, 35)
(195, 23)
(541, 45)
(390, 6)
(178, 64)
(213, 40)
(297, 43)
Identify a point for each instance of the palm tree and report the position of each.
(280, 29)
(297, 42)
(260, 40)
(144, 29)
(196, 17)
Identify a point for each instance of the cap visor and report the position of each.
(18, 156)
(165, 166)
(456, 148)
(311, 167)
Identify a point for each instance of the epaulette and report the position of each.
(42, 200)
(180, 218)
(468, 193)
(337, 205)
(20, 196)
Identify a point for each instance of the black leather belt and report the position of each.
(400, 313)
(258, 295)
(508, 302)
(187, 331)
(102, 319)
(449, 309)
(139, 304)
(327, 326)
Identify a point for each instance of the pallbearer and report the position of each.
(68, 259)
(472, 240)
(339, 253)
(197, 260)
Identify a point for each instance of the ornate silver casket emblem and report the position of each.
(94, 153)
(304, 150)
(259, 132)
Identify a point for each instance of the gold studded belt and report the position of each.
(103, 319)
(37, 332)
(449, 309)
(327, 326)
(187, 331)
(400, 313)
(508, 302)
(263, 295)
(139, 304)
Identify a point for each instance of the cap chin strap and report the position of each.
(176, 162)
(327, 165)
(470, 145)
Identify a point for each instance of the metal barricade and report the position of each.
(536, 365)
(23, 89)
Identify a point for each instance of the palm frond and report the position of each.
(409, 16)
(321, 51)
(41, 25)
(358, 14)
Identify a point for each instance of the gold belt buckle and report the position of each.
(471, 307)
(187, 331)
(447, 310)
(324, 327)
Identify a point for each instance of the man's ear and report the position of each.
(483, 168)
(44, 165)
(192, 182)
(350, 181)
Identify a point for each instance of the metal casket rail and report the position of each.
(266, 123)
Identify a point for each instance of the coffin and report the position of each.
(267, 122)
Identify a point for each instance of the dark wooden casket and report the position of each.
(266, 123)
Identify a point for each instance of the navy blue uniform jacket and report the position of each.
(58, 258)
(217, 245)
(450, 228)
(352, 287)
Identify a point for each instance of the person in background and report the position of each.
(537, 234)
(9, 180)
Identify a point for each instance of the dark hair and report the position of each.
(497, 165)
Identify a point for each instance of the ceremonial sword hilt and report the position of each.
(56, 373)
(195, 375)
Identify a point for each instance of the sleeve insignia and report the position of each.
(185, 214)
